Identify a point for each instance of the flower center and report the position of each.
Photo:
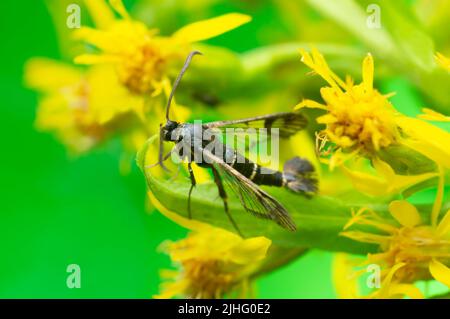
(416, 247)
(359, 118)
(208, 278)
(142, 67)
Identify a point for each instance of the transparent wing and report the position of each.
(252, 197)
(288, 123)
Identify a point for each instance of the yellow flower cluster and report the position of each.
(213, 262)
(410, 251)
(360, 122)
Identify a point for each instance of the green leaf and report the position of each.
(406, 161)
(401, 41)
(319, 219)
(412, 41)
(353, 17)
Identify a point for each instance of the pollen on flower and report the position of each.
(208, 278)
(142, 67)
(358, 116)
(140, 56)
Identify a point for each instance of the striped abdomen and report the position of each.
(255, 173)
(298, 173)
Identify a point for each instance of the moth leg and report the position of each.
(223, 195)
(175, 176)
(165, 158)
(193, 183)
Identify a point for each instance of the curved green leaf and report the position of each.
(319, 219)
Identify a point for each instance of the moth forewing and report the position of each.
(288, 123)
(252, 197)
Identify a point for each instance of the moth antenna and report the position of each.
(178, 79)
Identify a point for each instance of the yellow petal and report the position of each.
(386, 182)
(366, 237)
(172, 289)
(108, 98)
(103, 40)
(100, 13)
(405, 213)
(443, 228)
(407, 290)
(438, 200)
(443, 61)
(344, 281)
(440, 272)
(427, 139)
(119, 8)
(367, 72)
(397, 183)
(318, 64)
(310, 104)
(432, 115)
(379, 186)
(384, 291)
(89, 59)
(366, 183)
(326, 119)
(206, 29)
(47, 75)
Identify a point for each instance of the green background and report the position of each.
(58, 210)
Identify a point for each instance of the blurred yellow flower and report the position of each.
(142, 58)
(82, 107)
(346, 285)
(443, 61)
(213, 262)
(344, 278)
(411, 251)
(432, 115)
(391, 288)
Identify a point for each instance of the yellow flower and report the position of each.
(443, 61)
(213, 262)
(144, 59)
(390, 288)
(361, 120)
(358, 116)
(410, 251)
(431, 115)
(345, 281)
(385, 181)
(82, 107)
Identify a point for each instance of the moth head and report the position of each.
(167, 130)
